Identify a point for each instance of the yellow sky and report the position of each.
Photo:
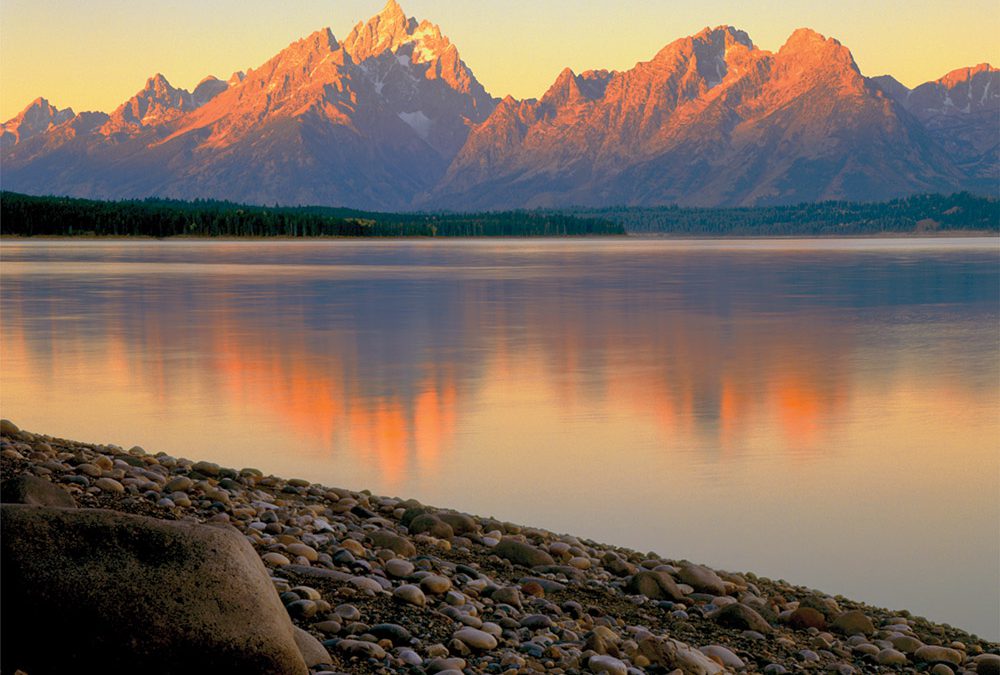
(94, 55)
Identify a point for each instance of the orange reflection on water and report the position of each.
(696, 385)
(277, 381)
(801, 408)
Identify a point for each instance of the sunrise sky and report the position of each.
(94, 55)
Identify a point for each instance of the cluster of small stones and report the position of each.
(390, 585)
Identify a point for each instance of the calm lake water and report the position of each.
(827, 412)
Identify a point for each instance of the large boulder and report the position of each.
(130, 594)
(28, 489)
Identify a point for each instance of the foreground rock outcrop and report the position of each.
(465, 594)
(136, 594)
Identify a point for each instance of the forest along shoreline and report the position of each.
(106, 547)
(918, 215)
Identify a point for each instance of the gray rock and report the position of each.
(179, 484)
(91, 470)
(548, 585)
(316, 572)
(672, 654)
(313, 651)
(702, 579)
(393, 632)
(854, 622)
(461, 523)
(867, 649)
(441, 664)
(399, 568)
(368, 650)
(328, 627)
(275, 558)
(655, 585)
(890, 657)
(409, 657)
(435, 584)
(394, 542)
(411, 594)
(206, 468)
(302, 609)
(430, 523)
(807, 655)
(536, 622)
(723, 655)
(303, 550)
(136, 594)
(109, 485)
(906, 643)
(371, 584)
(521, 553)
(508, 595)
(475, 638)
(348, 612)
(932, 653)
(8, 428)
(28, 489)
(606, 664)
(987, 664)
(742, 617)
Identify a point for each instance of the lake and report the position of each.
(823, 411)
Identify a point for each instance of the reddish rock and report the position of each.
(806, 617)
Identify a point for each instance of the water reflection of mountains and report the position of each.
(384, 360)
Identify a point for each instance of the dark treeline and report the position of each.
(26, 215)
(63, 216)
(919, 214)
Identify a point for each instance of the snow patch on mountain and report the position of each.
(419, 122)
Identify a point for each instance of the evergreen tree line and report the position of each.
(917, 214)
(26, 215)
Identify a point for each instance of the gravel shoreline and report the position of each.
(395, 586)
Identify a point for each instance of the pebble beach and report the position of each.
(378, 584)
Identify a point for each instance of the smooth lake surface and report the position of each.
(822, 411)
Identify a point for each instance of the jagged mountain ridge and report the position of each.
(391, 118)
(711, 120)
(38, 118)
(961, 111)
(369, 122)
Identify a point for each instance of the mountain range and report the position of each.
(391, 118)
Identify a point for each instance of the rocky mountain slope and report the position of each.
(369, 122)
(391, 118)
(710, 120)
(961, 111)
